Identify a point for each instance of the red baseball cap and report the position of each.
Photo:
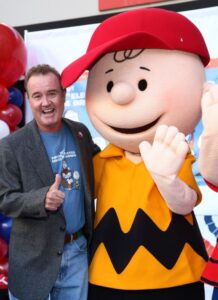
(149, 28)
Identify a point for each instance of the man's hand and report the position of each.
(167, 153)
(54, 197)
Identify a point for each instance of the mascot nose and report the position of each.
(122, 93)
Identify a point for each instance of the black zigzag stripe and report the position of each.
(214, 283)
(166, 246)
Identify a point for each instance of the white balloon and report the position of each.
(4, 129)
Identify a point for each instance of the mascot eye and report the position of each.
(110, 86)
(142, 85)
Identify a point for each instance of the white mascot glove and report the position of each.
(209, 105)
(167, 153)
(164, 159)
(208, 157)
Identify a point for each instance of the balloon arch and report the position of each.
(13, 59)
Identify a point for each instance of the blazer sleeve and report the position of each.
(14, 201)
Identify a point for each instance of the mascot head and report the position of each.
(146, 68)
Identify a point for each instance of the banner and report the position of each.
(106, 5)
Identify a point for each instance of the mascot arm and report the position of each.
(208, 156)
(164, 159)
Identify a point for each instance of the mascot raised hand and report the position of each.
(208, 163)
(144, 89)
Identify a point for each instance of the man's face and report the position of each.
(46, 100)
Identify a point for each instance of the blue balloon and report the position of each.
(15, 96)
(2, 217)
(5, 228)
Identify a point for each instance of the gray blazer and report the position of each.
(37, 236)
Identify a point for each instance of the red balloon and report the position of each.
(3, 282)
(3, 248)
(11, 114)
(13, 55)
(4, 96)
(4, 265)
(13, 128)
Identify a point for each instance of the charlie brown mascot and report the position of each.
(208, 165)
(146, 76)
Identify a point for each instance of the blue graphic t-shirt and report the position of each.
(64, 160)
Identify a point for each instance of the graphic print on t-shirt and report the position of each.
(70, 178)
(66, 176)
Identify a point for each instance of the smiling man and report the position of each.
(46, 187)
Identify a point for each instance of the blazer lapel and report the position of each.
(37, 155)
(80, 141)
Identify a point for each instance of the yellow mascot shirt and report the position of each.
(138, 242)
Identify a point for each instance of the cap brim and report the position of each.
(137, 40)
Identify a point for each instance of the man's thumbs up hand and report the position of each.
(54, 197)
(57, 182)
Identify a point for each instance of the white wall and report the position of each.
(27, 12)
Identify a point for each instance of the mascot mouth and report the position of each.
(137, 129)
